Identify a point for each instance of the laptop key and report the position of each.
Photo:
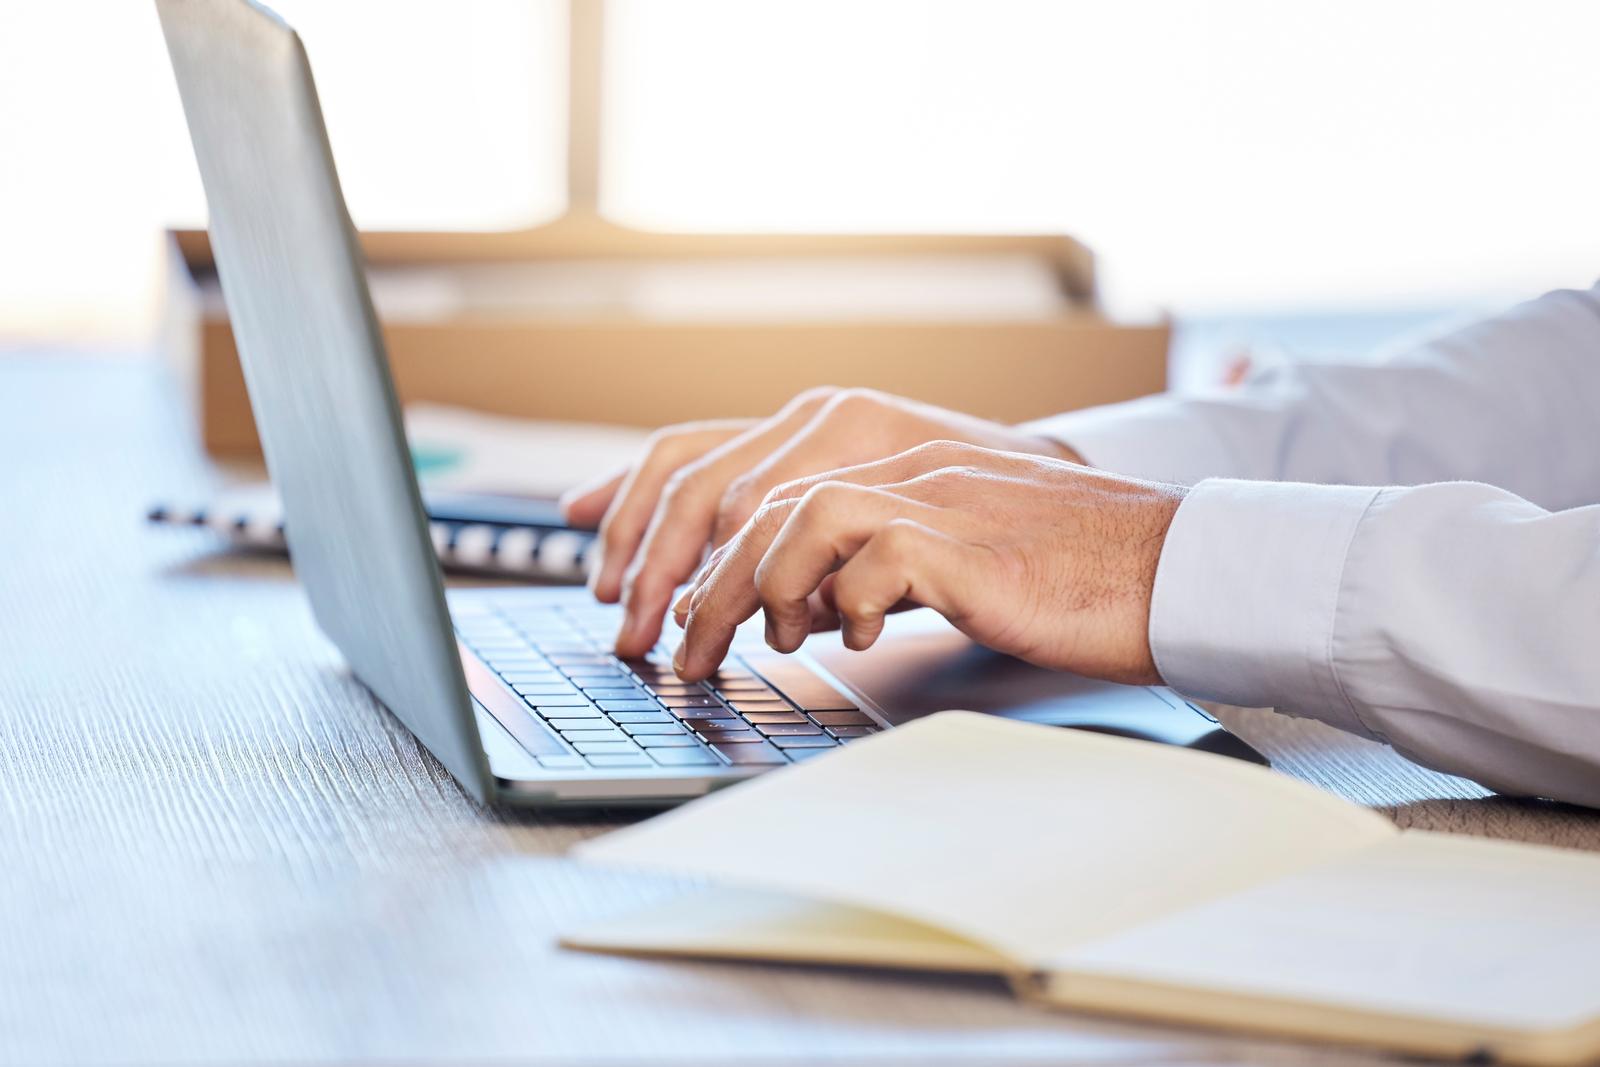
(544, 689)
(798, 754)
(627, 705)
(563, 725)
(730, 737)
(517, 661)
(631, 759)
(812, 741)
(563, 763)
(640, 716)
(558, 710)
(746, 754)
(723, 723)
(694, 700)
(843, 732)
(676, 689)
(606, 748)
(761, 717)
(800, 684)
(640, 729)
(617, 692)
(552, 700)
(677, 740)
(587, 734)
(841, 718)
(772, 704)
(489, 645)
(683, 757)
(789, 729)
(752, 690)
(599, 676)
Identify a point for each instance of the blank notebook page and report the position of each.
(1025, 838)
(1424, 925)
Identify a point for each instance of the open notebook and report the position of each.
(1116, 876)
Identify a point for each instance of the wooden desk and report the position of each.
(216, 848)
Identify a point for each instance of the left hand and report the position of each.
(1040, 558)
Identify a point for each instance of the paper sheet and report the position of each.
(1026, 838)
(1486, 933)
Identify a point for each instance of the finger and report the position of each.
(680, 607)
(840, 433)
(901, 472)
(829, 526)
(905, 467)
(634, 501)
(777, 562)
(905, 561)
(825, 615)
(679, 529)
(938, 472)
(585, 505)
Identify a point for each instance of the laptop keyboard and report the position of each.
(612, 713)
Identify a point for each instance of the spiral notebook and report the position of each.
(480, 533)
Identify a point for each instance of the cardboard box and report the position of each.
(607, 334)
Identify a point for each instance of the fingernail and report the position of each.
(679, 658)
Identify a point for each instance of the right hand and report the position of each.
(697, 483)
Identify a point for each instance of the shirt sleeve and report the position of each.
(1509, 401)
(1457, 622)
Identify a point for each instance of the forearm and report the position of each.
(1509, 401)
(1456, 622)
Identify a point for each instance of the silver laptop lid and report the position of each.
(294, 281)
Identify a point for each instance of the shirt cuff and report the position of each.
(1155, 438)
(1246, 595)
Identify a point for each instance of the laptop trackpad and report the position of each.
(922, 664)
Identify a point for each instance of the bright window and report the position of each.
(1229, 154)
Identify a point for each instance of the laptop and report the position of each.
(514, 690)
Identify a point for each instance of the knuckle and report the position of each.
(667, 442)
(771, 515)
(955, 472)
(765, 582)
(788, 490)
(854, 403)
(683, 487)
(943, 453)
(852, 604)
(826, 500)
(898, 539)
(816, 395)
(736, 501)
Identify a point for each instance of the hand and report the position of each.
(1043, 559)
(697, 484)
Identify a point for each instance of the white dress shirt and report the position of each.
(1408, 550)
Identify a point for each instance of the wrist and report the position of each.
(1160, 511)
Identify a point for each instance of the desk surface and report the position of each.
(216, 847)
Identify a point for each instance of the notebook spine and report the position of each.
(470, 547)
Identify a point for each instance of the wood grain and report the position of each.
(215, 847)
